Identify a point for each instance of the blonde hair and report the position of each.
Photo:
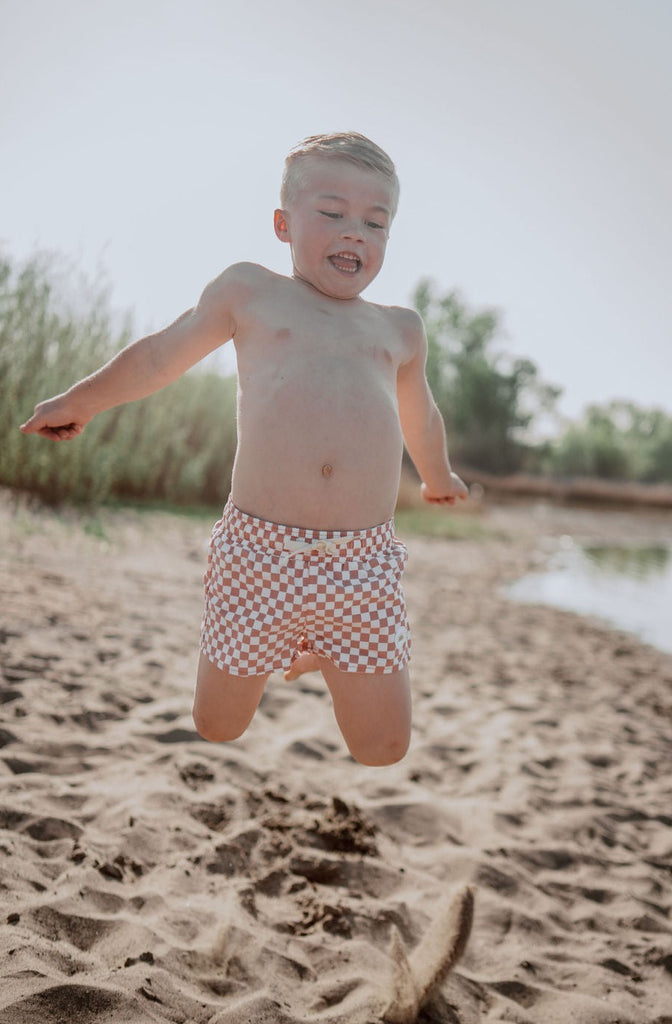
(350, 146)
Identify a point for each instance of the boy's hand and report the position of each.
(456, 489)
(55, 419)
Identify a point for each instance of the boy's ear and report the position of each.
(281, 225)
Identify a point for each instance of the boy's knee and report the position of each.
(380, 754)
(217, 731)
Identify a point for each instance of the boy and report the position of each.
(304, 570)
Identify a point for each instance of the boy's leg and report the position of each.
(224, 705)
(373, 712)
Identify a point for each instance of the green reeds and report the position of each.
(176, 446)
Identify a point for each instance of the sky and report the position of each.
(533, 140)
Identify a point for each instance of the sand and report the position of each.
(148, 876)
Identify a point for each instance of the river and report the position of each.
(628, 585)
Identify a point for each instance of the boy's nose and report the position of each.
(351, 229)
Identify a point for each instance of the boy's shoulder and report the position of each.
(237, 283)
(244, 273)
(407, 321)
(407, 326)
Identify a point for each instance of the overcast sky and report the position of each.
(533, 140)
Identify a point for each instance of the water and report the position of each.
(628, 587)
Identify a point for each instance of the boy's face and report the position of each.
(337, 224)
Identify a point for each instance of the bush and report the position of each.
(618, 441)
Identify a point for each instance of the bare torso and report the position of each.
(319, 439)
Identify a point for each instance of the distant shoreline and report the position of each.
(572, 490)
(578, 491)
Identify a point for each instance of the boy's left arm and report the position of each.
(422, 423)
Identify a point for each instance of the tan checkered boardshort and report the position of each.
(272, 592)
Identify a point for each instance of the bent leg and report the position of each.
(224, 705)
(373, 712)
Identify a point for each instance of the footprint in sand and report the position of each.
(76, 1002)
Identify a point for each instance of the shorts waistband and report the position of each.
(297, 540)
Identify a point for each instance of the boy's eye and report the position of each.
(329, 213)
(373, 224)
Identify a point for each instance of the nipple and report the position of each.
(327, 470)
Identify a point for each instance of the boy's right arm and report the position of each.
(148, 364)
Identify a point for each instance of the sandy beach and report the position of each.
(148, 876)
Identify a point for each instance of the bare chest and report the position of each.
(316, 345)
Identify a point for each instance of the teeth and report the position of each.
(351, 258)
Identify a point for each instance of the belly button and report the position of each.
(327, 470)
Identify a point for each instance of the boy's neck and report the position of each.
(294, 276)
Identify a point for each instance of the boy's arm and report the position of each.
(422, 423)
(145, 365)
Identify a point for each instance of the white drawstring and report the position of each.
(321, 547)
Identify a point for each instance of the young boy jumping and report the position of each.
(304, 570)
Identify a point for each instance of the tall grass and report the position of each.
(177, 446)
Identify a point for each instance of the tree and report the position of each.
(488, 400)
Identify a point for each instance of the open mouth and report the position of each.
(346, 262)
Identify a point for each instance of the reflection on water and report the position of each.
(630, 587)
(639, 563)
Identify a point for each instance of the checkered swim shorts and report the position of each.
(272, 592)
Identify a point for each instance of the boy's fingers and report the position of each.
(34, 425)
(62, 433)
(54, 431)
